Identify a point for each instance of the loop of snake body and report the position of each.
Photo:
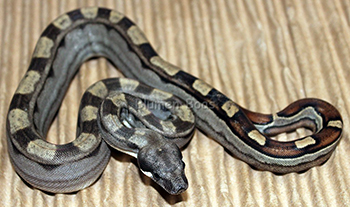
(111, 115)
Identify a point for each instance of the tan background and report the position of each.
(262, 54)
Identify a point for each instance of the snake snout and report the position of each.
(180, 185)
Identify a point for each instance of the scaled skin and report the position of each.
(164, 165)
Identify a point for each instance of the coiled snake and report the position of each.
(135, 118)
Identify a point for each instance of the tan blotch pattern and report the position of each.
(128, 84)
(230, 108)
(169, 68)
(62, 22)
(42, 149)
(43, 48)
(142, 109)
(255, 135)
(136, 35)
(202, 87)
(168, 126)
(27, 85)
(99, 89)
(305, 142)
(89, 13)
(160, 95)
(89, 113)
(185, 113)
(85, 142)
(18, 119)
(115, 17)
(337, 124)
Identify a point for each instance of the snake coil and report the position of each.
(109, 112)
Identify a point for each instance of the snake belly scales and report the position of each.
(117, 112)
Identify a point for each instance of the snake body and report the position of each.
(109, 113)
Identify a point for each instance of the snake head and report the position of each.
(163, 164)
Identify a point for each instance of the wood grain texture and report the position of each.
(262, 54)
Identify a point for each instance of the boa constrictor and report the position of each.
(135, 118)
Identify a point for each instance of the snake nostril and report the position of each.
(181, 188)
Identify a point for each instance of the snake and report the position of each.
(150, 114)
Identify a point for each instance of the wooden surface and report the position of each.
(262, 54)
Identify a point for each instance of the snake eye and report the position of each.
(156, 176)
